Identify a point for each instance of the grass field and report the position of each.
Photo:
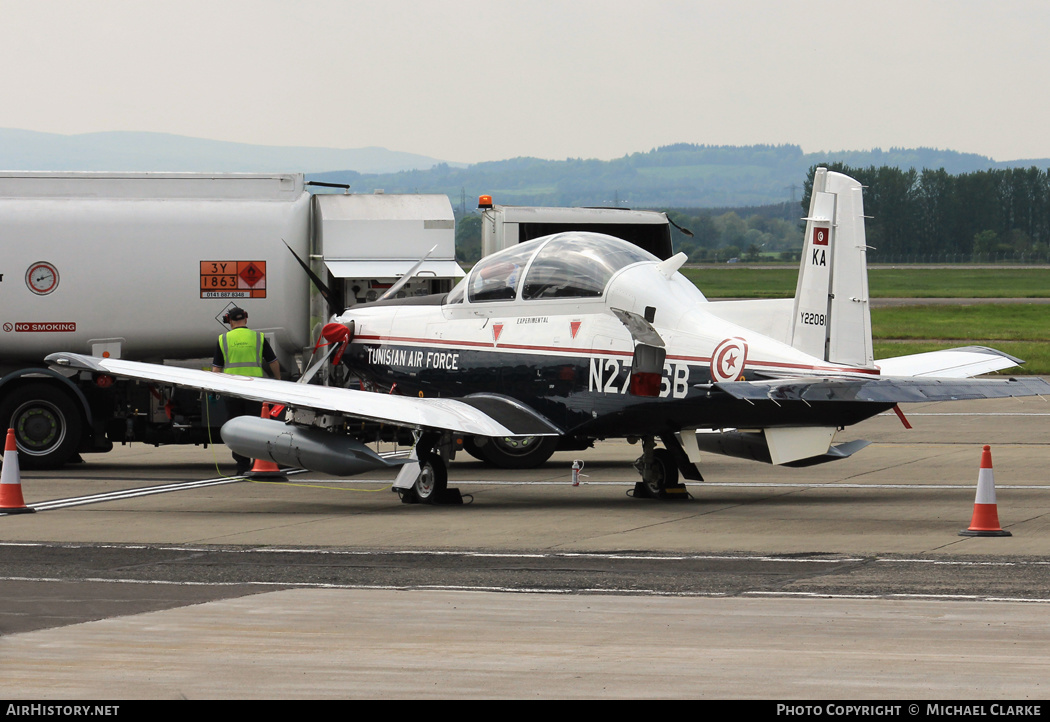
(1021, 330)
(996, 322)
(919, 282)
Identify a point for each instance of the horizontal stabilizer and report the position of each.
(884, 390)
(456, 415)
(956, 363)
(768, 316)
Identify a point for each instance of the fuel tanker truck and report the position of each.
(144, 266)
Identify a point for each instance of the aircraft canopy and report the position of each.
(575, 264)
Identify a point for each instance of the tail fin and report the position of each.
(832, 317)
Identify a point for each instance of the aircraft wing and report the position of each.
(884, 389)
(482, 415)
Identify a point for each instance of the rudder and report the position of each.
(832, 315)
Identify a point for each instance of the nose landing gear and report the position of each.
(425, 480)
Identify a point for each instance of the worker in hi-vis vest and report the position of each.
(245, 352)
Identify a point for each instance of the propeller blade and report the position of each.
(326, 293)
(405, 278)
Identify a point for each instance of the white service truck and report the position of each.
(505, 226)
(144, 266)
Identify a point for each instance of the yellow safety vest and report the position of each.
(242, 350)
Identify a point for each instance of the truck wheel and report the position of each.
(471, 447)
(518, 452)
(47, 425)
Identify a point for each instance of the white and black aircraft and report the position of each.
(579, 336)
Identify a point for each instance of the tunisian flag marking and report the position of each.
(728, 359)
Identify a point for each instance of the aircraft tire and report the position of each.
(665, 472)
(47, 425)
(518, 452)
(433, 479)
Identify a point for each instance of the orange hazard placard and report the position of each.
(233, 279)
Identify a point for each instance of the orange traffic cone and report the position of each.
(985, 520)
(11, 501)
(263, 469)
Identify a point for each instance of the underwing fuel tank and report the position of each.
(301, 446)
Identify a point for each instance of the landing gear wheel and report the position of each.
(517, 452)
(660, 481)
(664, 473)
(47, 425)
(432, 481)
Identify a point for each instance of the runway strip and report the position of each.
(666, 575)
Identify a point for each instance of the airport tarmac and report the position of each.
(846, 580)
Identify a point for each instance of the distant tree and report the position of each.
(1018, 241)
(700, 255)
(731, 228)
(468, 239)
(724, 254)
(984, 245)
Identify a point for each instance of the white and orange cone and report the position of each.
(11, 501)
(985, 520)
(263, 469)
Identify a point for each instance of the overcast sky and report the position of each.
(490, 79)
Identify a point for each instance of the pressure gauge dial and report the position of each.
(42, 278)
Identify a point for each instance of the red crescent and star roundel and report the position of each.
(728, 359)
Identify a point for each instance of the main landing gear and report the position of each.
(660, 470)
(425, 480)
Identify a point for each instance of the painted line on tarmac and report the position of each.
(545, 590)
(700, 485)
(391, 587)
(983, 413)
(836, 485)
(542, 590)
(900, 595)
(438, 552)
(797, 559)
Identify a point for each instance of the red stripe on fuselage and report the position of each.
(589, 353)
(493, 346)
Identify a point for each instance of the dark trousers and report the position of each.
(241, 407)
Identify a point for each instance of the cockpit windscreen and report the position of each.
(574, 264)
(579, 265)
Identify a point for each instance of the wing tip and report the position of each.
(67, 359)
